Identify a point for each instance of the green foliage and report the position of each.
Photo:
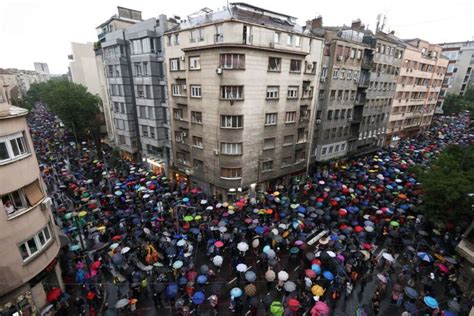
(453, 104)
(469, 97)
(72, 103)
(447, 185)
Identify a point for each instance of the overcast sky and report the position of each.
(42, 30)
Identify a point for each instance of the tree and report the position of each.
(72, 103)
(448, 184)
(453, 104)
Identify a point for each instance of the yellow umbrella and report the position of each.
(276, 193)
(82, 213)
(101, 228)
(225, 204)
(317, 290)
(230, 207)
(197, 217)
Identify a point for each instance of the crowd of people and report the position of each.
(305, 247)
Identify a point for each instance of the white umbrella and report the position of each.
(125, 250)
(283, 276)
(217, 260)
(222, 229)
(242, 246)
(369, 229)
(121, 303)
(147, 230)
(382, 278)
(388, 257)
(114, 245)
(289, 286)
(270, 275)
(255, 243)
(241, 267)
(331, 254)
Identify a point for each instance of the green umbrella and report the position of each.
(85, 194)
(68, 215)
(276, 308)
(394, 224)
(188, 218)
(74, 248)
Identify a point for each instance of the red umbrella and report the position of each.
(310, 273)
(95, 265)
(53, 295)
(358, 229)
(90, 295)
(191, 275)
(218, 244)
(117, 237)
(294, 304)
(367, 246)
(333, 202)
(316, 261)
(342, 212)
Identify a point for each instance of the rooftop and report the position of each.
(14, 111)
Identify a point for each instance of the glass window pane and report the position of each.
(41, 238)
(16, 150)
(32, 245)
(24, 251)
(46, 232)
(3, 151)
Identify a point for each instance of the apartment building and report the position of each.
(83, 69)
(458, 74)
(342, 93)
(17, 82)
(123, 19)
(42, 69)
(421, 76)
(133, 61)
(242, 84)
(384, 72)
(29, 243)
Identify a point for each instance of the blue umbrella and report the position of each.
(198, 298)
(80, 276)
(185, 200)
(194, 230)
(411, 292)
(182, 280)
(118, 193)
(211, 241)
(301, 209)
(250, 276)
(236, 292)
(171, 290)
(259, 229)
(328, 275)
(201, 279)
(431, 302)
(425, 256)
(316, 268)
(117, 259)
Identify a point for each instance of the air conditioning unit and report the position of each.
(183, 58)
(272, 44)
(46, 204)
(318, 121)
(216, 152)
(349, 119)
(339, 57)
(323, 79)
(219, 70)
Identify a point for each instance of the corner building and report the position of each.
(29, 243)
(242, 85)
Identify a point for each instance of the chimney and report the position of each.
(356, 25)
(317, 22)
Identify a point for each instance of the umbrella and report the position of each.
(242, 246)
(204, 269)
(114, 245)
(388, 257)
(125, 250)
(53, 295)
(316, 268)
(317, 290)
(236, 292)
(177, 264)
(198, 298)
(271, 254)
(366, 254)
(454, 306)
(241, 267)
(411, 292)
(431, 302)
(117, 259)
(294, 304)
(181, 243)
(331, 254)
(310, 273)
(425, 256)
(250, 276)
(270, 275)
(410, 307)
(394, 224)
(250, 290)
(443, 268)
(74, 248)
(171, 290)
(328, 275)
(382, 278)
(217, 260)
(201, 279)
(283, 276)
(289, 286)
(122, 303)
(188, 218)
(218, 244)
(322, 308)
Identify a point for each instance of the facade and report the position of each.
(421, 76)
(123, 19)
(29, 243)
(16, 82)
(83, 68)
(133, 65)
(242, 85)
(458, 74)
(42, 69)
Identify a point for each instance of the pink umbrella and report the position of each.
(443, 268)
(320, 309)
(218, 244)
(340, 258)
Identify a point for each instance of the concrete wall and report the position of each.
(84, 68)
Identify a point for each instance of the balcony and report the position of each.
(364, 82)
(361, 99)
(367, 63)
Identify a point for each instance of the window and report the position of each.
(286, 161)
(343, 74)
(174, 64)
(288, 140)
(290, 117)
(196, 35)
(36, 243)
(194, 63)
(353, 53)
(195, 91)
(310, 68)
(219, 36)
(297, 41)
(273, 92)
(140, 91)
(181, 157)
(359, 54)
(267, 166)
(324, 72)
(276, 38)
(178, 114)
(321, 95)
(339, 94)
(323, 152)
(197, 142)
(232, 121)
(269, 143)
(330, 149)
(335, 73)
(302, 135)
(329, 117)
(292, 92)
(176, 39)
(295, 65)
(304, 113)
(198, 164)
(274, 64)
(196, 117)
(231, 148)
(336, 114)
(177, 90)
(138, 69)
(145, 69)
(145, 130)
(232, 61)
(231, 173)
(271, 119)
(355, 75)
(152, 132)
(232, 92)
(12, 146)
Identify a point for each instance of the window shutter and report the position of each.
(33, 193)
